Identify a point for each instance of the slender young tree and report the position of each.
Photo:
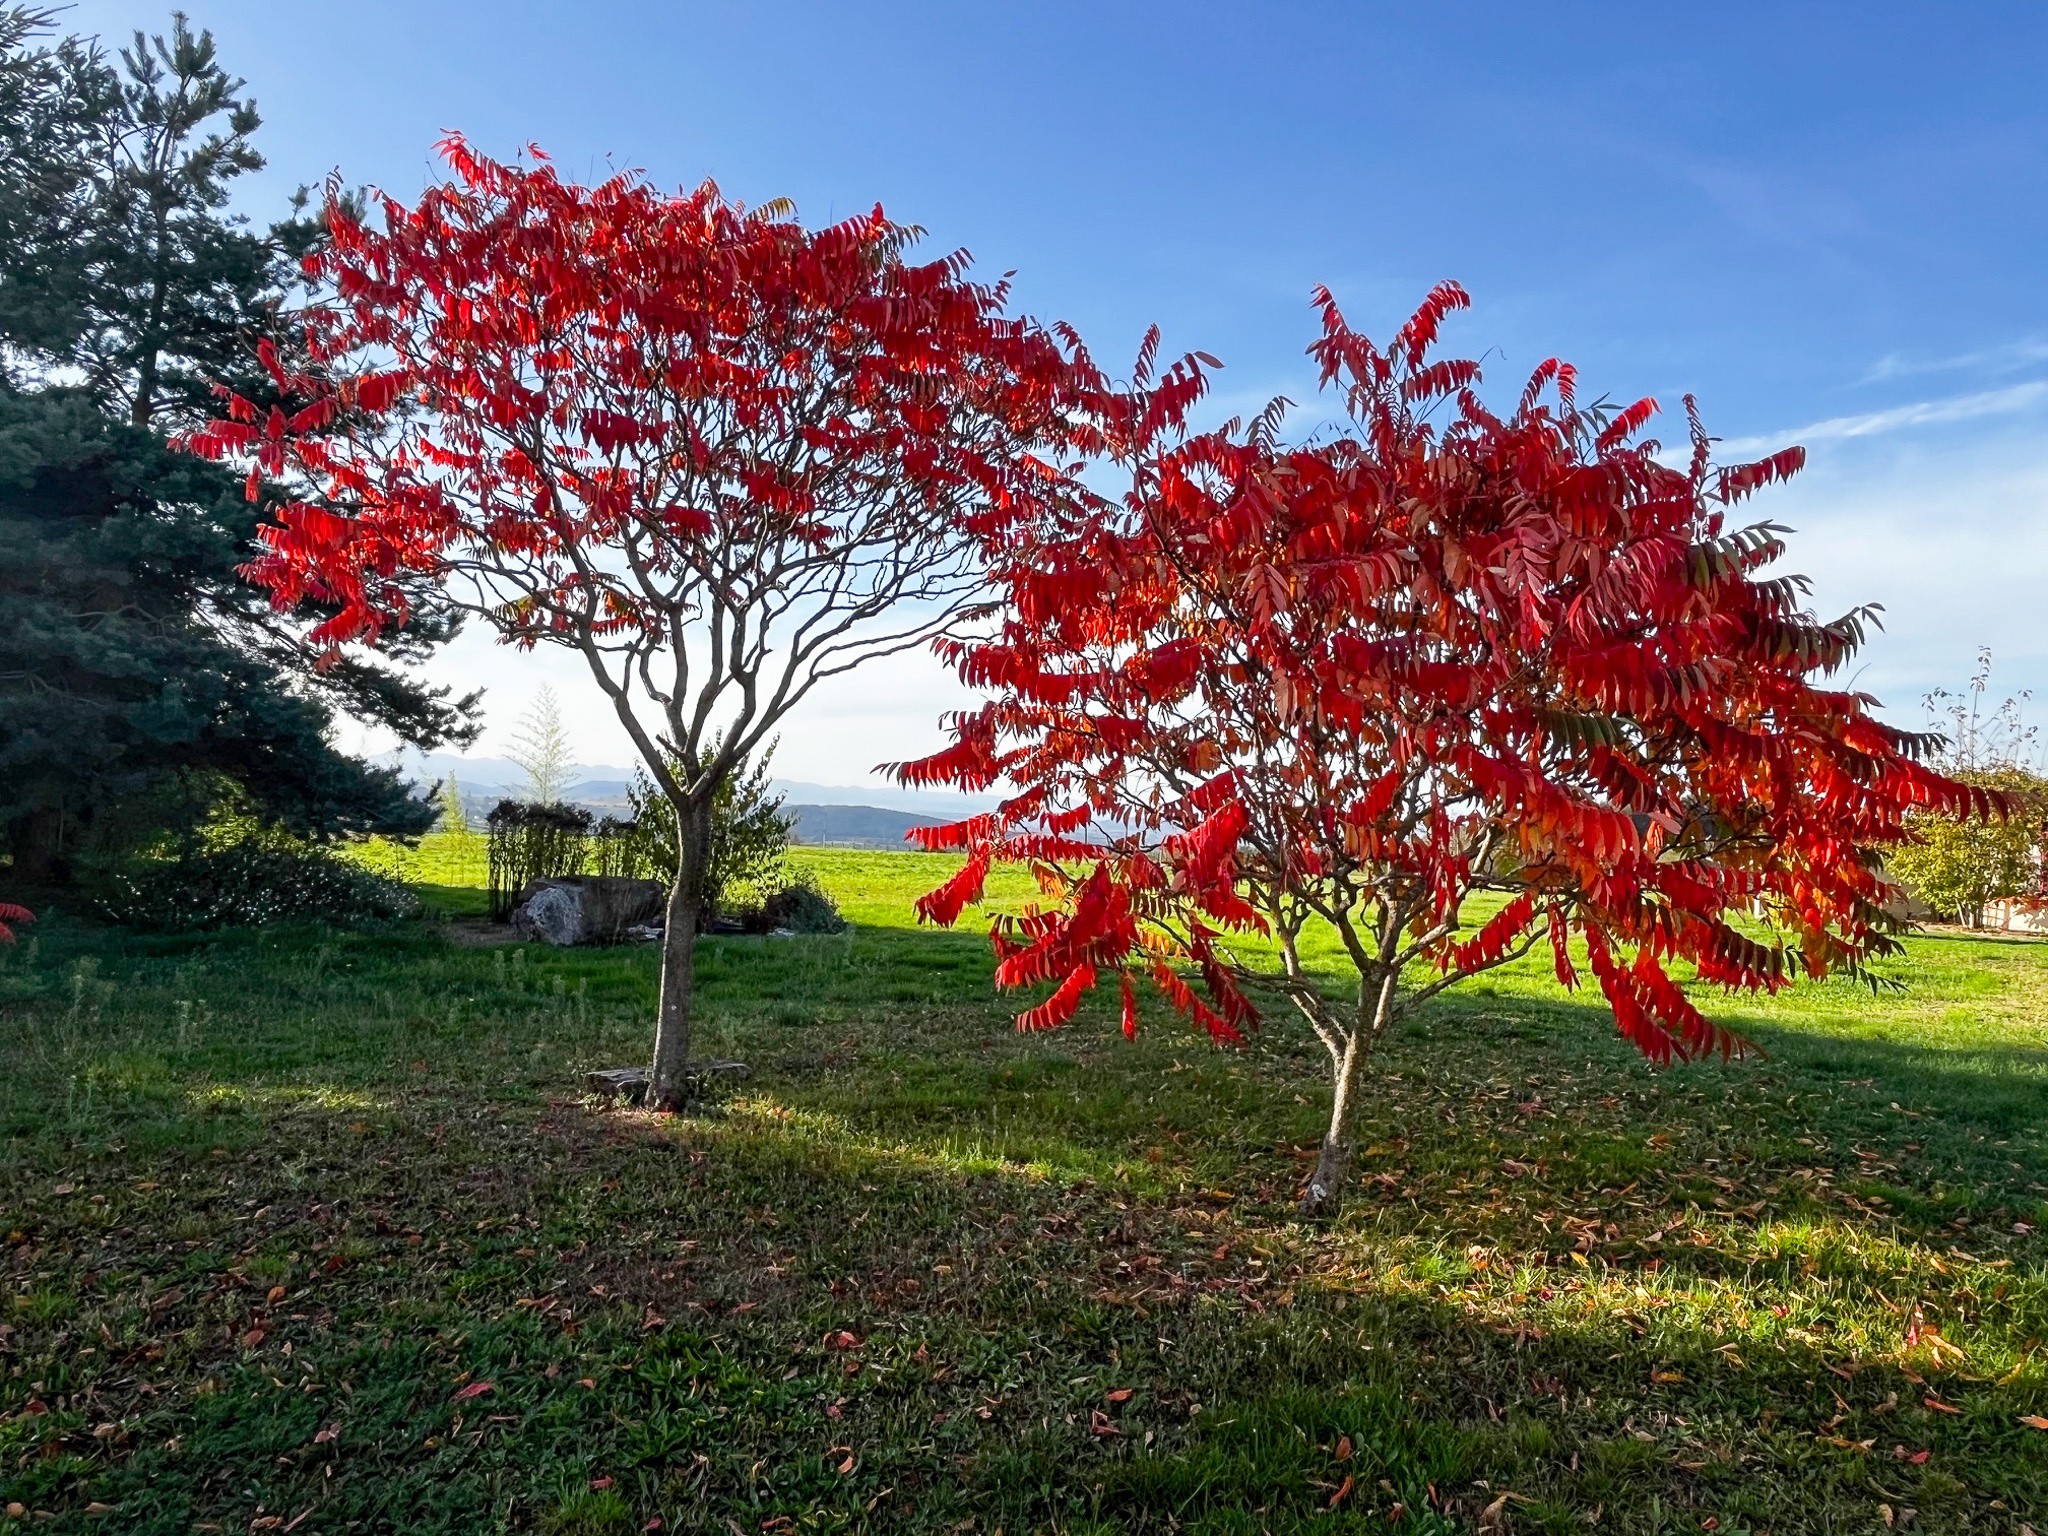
(722, 457)
(1449, 685)
(454, 819)
(541, 749)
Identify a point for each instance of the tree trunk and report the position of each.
(1324, 1196)
(668, 1083)
(37, 846)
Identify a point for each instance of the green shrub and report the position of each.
(749, 837)
(533, 841)
(802, 907)
(1960, 867)
(262, 879)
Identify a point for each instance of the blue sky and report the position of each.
(1829, 222)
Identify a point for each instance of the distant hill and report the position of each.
(830, 826)
(601, 789)
(935, 805)
(854, 826)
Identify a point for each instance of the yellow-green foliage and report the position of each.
(1960, 867)
(456, 859)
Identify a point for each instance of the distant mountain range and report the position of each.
(856, 826)
(834, 815)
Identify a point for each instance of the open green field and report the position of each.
(312, 1232)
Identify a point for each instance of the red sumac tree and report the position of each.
(1452, 685)
(721, 456)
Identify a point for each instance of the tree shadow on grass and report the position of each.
(901, 1281)
(768, 1314)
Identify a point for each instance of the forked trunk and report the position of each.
(1324, 1196)
(668, 1084)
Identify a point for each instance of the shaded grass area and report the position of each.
(310, 1231)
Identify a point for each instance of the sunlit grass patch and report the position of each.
(920, 1273)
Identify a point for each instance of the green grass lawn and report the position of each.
(313, 1232)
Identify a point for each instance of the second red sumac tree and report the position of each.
(722, 457)
(1452, 685)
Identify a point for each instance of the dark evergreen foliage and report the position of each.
(142, 683)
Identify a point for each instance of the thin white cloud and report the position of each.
(2000, 359)
(2011, 400)
(1950, 533)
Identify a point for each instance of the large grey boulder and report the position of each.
(586, 909)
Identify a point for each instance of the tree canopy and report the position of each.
(723, 457)
(1456, 684)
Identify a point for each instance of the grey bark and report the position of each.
(1324, 1196)
(668, 1081)
(1350, 1046)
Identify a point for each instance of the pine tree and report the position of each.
(454, 819)
(142, 683)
